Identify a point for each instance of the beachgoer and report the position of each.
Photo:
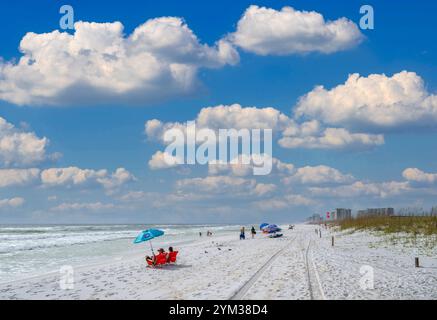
(200, 234)
(163, 253)
(154, 259)
(170, 251)
(253, 232)
(242, 234)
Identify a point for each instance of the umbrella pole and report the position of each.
(151, 247)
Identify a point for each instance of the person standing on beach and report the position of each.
(253, 232)
(243, 234)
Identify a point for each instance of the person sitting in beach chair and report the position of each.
(161, 258)
(150, 261)
(157, 260)
(172, 255)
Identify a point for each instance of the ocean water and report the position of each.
(31, 250)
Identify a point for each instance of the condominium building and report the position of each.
(342, 213)
(376, 212)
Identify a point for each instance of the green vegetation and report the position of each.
(414, 225)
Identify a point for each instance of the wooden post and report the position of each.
(320, 233)
(332, 241)
(416, 261)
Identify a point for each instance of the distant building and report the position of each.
(376, 212)
(315, 218)
(342, 214)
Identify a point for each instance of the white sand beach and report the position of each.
(299, 265)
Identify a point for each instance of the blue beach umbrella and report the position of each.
(263, 225)
(148, 235)
(273, 228)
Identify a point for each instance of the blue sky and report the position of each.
(94, 134)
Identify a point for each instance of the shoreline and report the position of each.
(108, 260)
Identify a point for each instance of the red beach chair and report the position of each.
(172, 256)
(160, 259)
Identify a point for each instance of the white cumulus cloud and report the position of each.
(244, 165)
(417, 175)
(364, 189)
(312, 135)
(114, 180)
(18, 177)
(318, 175)
(224, 185)
(266, 31)
(284, 202)
(224, 117)
(161, 160)
(18, 147)
(74, 176)
(99, 64)
(377, 101)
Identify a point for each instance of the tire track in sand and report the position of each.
(246, 286)
(313, 277)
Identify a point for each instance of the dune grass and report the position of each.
(414, 225)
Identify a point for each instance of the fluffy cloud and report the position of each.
(93, 206)
(98, 64)
(244, 165)
(224, 185)
(311, 135)
(417, 175)
(11, 203)
(267, 31)
(284, 202)
(18, 177)
(20, 148)
(74, 176)
(70, 176)
(114, 180)
(376, 101)
(359, 188)
(225, 117)
(318, 175)
(237, 117)
(264, 189)
(161, 160)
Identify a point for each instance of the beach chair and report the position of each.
(159, 260)
(172, 257)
